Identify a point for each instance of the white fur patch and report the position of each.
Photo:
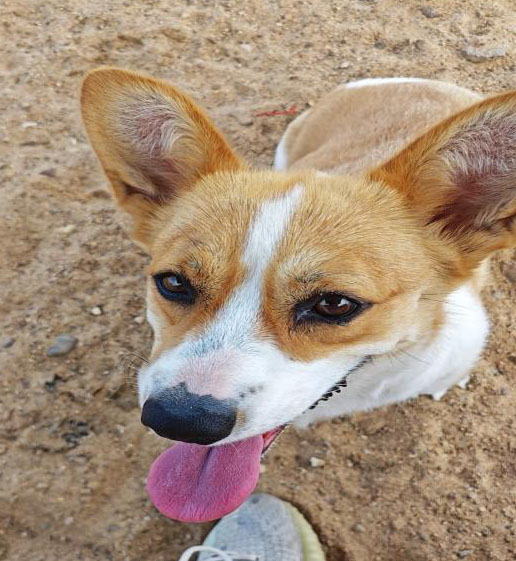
(429, 368)
(234, 324)
(229, 359)
(215, 360)
(280, 156)
(380, 82)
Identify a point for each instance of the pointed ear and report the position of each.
(461, 178)
(152, 140)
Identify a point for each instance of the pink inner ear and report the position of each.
(152, 130)
(482, 162)
(151, 124)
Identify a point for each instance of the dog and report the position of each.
(269, 290)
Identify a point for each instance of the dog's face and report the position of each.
(266, 289)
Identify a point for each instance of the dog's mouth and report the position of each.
(270, 436)
(194, 483)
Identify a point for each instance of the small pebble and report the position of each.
(7, 342)
(130, 39)
(68, 229)
(96, 311)
(139, 320)
(29, 124)
(463, 553)
(358, 528)
(483, 54)
(244, 118)
(419, 44)
(100, 194)
(509, 271)
(345, 64)
(316, 462)
(62, 345)
(50, 172)
(430, 12)
(396, 524)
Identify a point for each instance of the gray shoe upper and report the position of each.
(262, 526)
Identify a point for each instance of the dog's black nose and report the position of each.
(180, 415)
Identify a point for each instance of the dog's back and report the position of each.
(361, 125)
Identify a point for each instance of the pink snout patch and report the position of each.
(212, 374)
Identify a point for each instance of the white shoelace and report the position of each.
(216, 554)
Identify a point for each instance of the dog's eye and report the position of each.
(335, 305)
(176, 287)
(330, 307)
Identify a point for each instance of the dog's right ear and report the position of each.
(152, 141)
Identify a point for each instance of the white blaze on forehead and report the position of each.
(235, 322)
(268, 229)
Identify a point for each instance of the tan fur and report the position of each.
(198, 237)
(203, 250)
(113, 101)
(376, 236)
(351, 130)
(425, 174)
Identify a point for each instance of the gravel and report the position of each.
(50, 172)
(317, 462)
(483, 54)
(7, 342)
(430, 12)
(62, 345)
(509, 271)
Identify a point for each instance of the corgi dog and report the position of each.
(269, 290)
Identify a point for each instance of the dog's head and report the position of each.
(266, 289)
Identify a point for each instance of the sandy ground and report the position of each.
(420, 481)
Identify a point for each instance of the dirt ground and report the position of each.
(420, 481)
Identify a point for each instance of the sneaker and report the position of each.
(264, 528)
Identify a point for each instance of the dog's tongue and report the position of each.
(194, 483)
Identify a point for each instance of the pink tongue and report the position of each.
(194, 483)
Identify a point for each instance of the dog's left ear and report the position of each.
(461, 179)
(151, 139)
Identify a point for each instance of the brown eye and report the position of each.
(335, 305)
(174, 283)
(175, 287)
(329, 307)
